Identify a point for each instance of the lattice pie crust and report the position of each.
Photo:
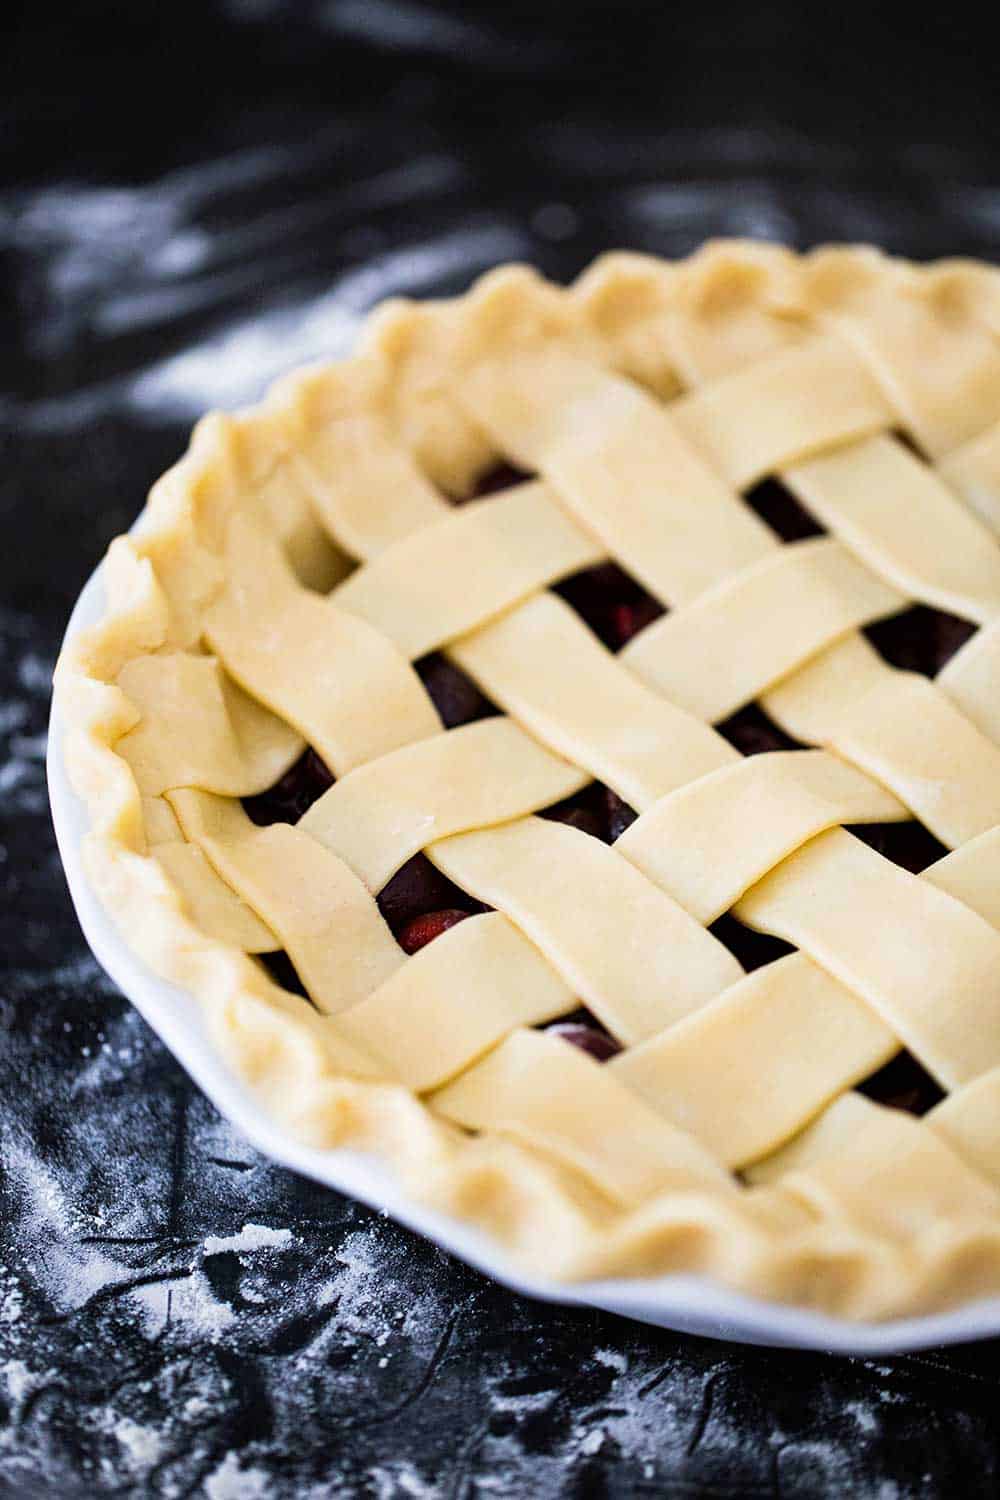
(726, 1137)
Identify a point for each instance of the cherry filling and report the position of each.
(611, 602)
(598, 1043)
(418, 889)
(920, 639)
(293, 794)
(582, 1029)
(454, 695)
(910, 844)
(751, 732)
(753, 949)
(782, 512)
(903, 1084)
(281, 969)
(420, 931)
(502, 476)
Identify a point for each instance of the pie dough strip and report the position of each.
(969, 1122)
(739, 638)
(455, 999)
(213, 905)
(325, 918)
(971, 679)
(616, 461)
(451, 576)
(635, 958)
(483, 773)
(336, 679)
(936, 950)
(900, 520)
(973, 471)
(531, 1088)
(881, 1170)
(813, 1039)
(549, 672)
(198, 728)
(972, 875)
(791, 1008)
(348, 463)
(708, 842)
(899, 728)
(759, 418)
(938, 367)
(283, 502)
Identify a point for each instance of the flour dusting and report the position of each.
(250, 1238)
(231, 1481)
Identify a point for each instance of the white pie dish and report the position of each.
(684, 1303)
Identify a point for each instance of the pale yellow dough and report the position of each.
(287, 574)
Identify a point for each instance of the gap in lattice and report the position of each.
(499, 476)
(751, 948)
(776, 505)
(909, 844)
(920, 639)
(611, 602)
(903, 1084)
(752, 732)
(293, 794)
(456, 697)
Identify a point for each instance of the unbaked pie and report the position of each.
(561, 747)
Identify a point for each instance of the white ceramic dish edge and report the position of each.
(686, 1304)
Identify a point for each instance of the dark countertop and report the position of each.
(177, 1317)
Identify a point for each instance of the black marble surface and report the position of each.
(194, 198)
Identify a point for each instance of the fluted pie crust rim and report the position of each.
(646, 396)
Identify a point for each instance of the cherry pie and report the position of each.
(561, 747)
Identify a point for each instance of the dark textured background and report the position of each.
(193, 198)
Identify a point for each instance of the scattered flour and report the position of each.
(11, 1300)
(230, 1481)
(72, 1271)
(612, 1359)
(865, 1418)
(141, 1446)
(393, 1481)
(250, 1238)
(19, 1380)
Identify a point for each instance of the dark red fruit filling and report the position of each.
(584, 1030)
(782, 512)
(614, 606)
(903, 1084)
(920, 639)
(751, 732)
(597, 1043)
(629, 618)
(910, 845)
(619, 813)
(502, 476)
(753, 949)
(423, 930)
(418, 888)
(284, 972)
(596, 810)
(454, 695)
(294, 794)
(584, 810)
